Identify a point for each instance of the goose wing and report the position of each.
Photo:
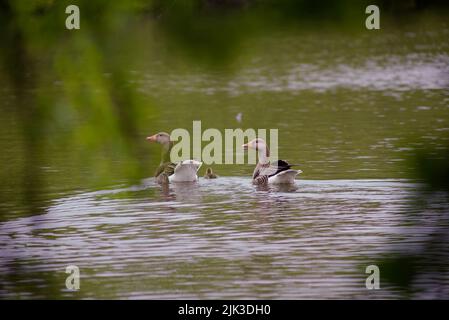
(272, 168)
(167, 168)
(187, 165)
(186, 171)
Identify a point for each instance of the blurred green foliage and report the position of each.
(432, 166)
(403, 270)
(69, 91)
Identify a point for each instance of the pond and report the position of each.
(351, 109)
(220, 238)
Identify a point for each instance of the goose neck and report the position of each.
(263, 156)
(165, 154)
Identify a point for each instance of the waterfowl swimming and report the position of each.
(276, 172)
(210, 174)
(184, 171)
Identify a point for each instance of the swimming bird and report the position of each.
(210, 174)
(276, 172)
(184, 171)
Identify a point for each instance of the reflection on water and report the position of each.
(220, 238)
(393, 73)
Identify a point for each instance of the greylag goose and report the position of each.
(210, 174)
(276, 172)
(184, 171)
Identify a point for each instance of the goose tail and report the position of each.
(287, 176)
(186, 171)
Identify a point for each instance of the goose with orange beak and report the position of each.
(276, 172)
(184, 171)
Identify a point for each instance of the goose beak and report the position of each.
(245, 146)
(152, 138)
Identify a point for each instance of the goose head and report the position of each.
(161, 138)
(259, 145)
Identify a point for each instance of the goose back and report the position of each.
(271, 168)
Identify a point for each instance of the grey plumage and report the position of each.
(270, 169)
(277, 172)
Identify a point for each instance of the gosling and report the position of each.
(210, 174)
